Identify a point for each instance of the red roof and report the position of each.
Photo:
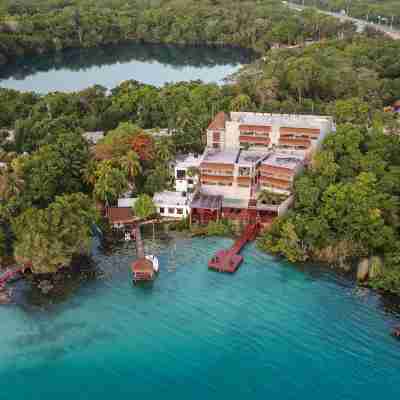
(219, 121)
(143, 265)
(120, 215)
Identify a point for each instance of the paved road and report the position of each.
(392, 32)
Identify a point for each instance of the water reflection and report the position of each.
(154, 64)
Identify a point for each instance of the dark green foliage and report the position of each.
(48, 238)
(53, 26)
(214, 228)
(346, 205)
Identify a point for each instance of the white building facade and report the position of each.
(184, 181)
(172, 204)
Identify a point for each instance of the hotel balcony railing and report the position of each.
(252, 133)
(216, 173)
(265, 175)
(295, 142)
(254, 139)
(276, 185)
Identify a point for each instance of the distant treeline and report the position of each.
(40, 26)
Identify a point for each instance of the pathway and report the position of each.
(361, 24)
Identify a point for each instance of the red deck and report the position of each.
(230, 260)
(11, 273)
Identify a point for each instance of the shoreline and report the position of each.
(70, 279)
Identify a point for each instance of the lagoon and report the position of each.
(108, 66)
(271, 331)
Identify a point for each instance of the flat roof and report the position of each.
(281, 160)
(289, 120)
(235, 202)
(170, 198)
(210, 202)
(188, 160)
(221, 157)
(249, 158)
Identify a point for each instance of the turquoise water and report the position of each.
(271, 331)
(110, 65)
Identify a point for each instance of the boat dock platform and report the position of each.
(230, 260)
(142, 268)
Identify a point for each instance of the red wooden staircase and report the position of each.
(230, 260)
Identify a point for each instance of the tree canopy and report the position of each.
(47, 239)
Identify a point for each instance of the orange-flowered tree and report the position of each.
(143, 145)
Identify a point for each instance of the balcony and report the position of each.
(205, 172)
(216, 179)
(310, 133)
(275, 183)
(277, 175)
(243, 181)
(255, 139)
(294, 142)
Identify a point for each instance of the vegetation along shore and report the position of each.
(55, 181)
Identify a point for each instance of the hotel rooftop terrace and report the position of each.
(221, 157)
(281, 119)
(250, 158)
(287, 161)
(166, 198)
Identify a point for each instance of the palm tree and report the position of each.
(10, 184)
(89, 172)
(144, 207)
(163, 150)
(111, 182)
(130, 163)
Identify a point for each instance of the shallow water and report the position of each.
(270, 331)
(110, 65)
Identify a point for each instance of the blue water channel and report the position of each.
(271, 331)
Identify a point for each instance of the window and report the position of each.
(216, 136)
(216, 145)
(190, 181)
(180, 174)
(171, 210)
(179, 211)
(162, 210)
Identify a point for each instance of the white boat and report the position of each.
(154, 261)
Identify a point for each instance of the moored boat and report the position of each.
(145, 269)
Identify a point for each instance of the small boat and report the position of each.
(145, 269)
(154, 261)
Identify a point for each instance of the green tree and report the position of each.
(47, 239)
(111, 182)
(144, 207)
(130, 163)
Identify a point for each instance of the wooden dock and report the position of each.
(142, 268)
(230, 260)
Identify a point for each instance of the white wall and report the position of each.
(129, 202)
(166, 213)
(232, 135)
